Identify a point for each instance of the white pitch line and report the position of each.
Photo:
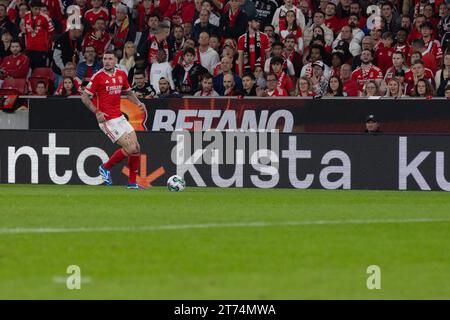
(256, 224)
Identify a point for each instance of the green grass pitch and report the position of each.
(208, 243)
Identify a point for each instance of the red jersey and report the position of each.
(181, 13)
(351, 87)
(16, 66)
(278, 92)
(108, 89)
(363, 74)
(100, 44)
(334, 23)
(383, 57)
(91, 16)
(38, 32)
(285, 82)
(406, 50)
(251, 60)
(435, 48)
(409, 80)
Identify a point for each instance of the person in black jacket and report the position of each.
(249, 84)
(233, 23)
(67, 49)
(187, 74)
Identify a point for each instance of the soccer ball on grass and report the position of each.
(176, 183)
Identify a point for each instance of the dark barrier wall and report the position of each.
(286, 114)
(416, 162)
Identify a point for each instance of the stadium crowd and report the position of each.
(173, 48)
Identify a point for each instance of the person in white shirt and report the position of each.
(318, 21)
(214, 19)
(161, 69)
(347, 36)
(206, 56)
(279, 17)
(277, 51)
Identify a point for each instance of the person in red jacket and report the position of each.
(350, 85)
(383, 55)
(15, 65)
(38, 34)
(180, 11)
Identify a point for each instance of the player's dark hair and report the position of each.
(111, 52)
(207, 76)
(249, 75)
(189, 50)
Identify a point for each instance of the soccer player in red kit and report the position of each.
(106, 87)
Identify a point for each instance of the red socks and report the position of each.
(133, 165)
(118, 156)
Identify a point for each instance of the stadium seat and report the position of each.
(14, 86)
(43, 73)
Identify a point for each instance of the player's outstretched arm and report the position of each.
(86, 99)
(132, 97)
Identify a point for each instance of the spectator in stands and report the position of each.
(432, 45)
(69, 71)
(279, 17)
(68, 88)
(372, 125)
(447, 92)
(129, 54)
(230, 86)
(349, 84)
(141, 87)
(139, 65)
(233, 22)
(123, 29)
(250, 87)
(284, 79)
(367, 43)
(290, 27)
(152, 23)
(371, 89)
(207, 89)
(204, 26)
(318, 21)
(403, 46)
(165, 91)
(391, 19)
(337, 60)
(214, 16)
(87, 68)
(97, 11)
(226, 67)
(304, 88)
(98, 37)
(423, 89)
(188, 74)
(41, 89)
(384, 52)
(176, 41)
(428, 58)
(355, 8)
(398, 63)
(316, 54)
(207, 56)
(259, 75)
(16, 65)
(161, 69)
(394, 89)
(442, 77)
(292, 55)
(335, 88)
(6, 24)
(277, 51)
(154, 42)
(318, 79)
(367, 71)
(214, 42)
(347, 36)
(180, 11)
(5, 44)
(39, 30)
(67, 49)
(331, 20)
(272, 90)
(417, 71)
(248, 44)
